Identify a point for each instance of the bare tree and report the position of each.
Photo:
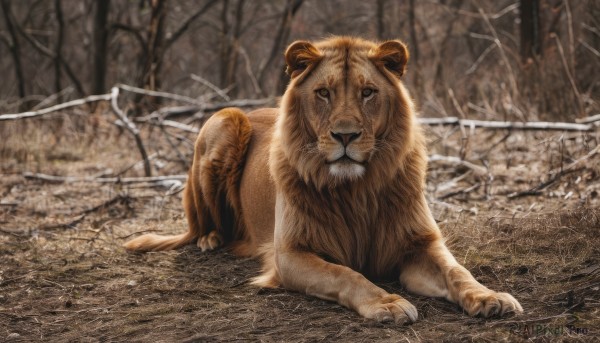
(38, 46)
(283, 33)
(15, 48)
(529, 11)
(380, 19)
(154, 43)
(230, 43)
(59, 44)
(101, 31)
(414, 45)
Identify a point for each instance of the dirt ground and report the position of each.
(523, 217)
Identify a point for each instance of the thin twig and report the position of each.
(511, 74)
(130, 126)
(166, 112)
(83, 214)
(576, 163)
(251, 75)
(169, 123)
(588, 120)
(126, 169)
(172, 96)
(460, 191)
(480, 59)
(210, 85)
(589, 47)
(53, 97)
(568, 72)
(184, 161)
(559, 173)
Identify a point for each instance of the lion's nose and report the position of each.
(345, 138)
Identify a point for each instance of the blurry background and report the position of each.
(520, 208)
(505, 60)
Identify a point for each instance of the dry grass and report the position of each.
(76, 283)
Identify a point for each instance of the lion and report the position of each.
(329, 188)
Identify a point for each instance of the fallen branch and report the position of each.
(537, 190)
(575, 163)
(78, 102)
(479, 170)
(202, 106)
(507, 124)
(180, 126)
(175, 111)
(587, 120)
(130, 126)
(238, 103)
(83, 214)
(460, 191)
(123, 180)
(169, 123)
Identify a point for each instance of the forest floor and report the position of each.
(65, 277)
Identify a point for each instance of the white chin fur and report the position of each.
(346, 170)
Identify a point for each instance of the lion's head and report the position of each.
(345, 113)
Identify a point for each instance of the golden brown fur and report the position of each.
(329, 188)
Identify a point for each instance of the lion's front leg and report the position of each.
(308, 273)
(435, 272)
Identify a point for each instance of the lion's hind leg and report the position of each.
(435, 272)
(211, 196)
(219, 157)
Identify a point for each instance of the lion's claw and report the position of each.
(489, 304)
(390, 308)
(210, 242)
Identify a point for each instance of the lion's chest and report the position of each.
(359, 230)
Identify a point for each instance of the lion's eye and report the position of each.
(323, 92)
(367, 92)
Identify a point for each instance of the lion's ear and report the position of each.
(299, 56)
(391, 55)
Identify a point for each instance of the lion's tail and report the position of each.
(152, 242)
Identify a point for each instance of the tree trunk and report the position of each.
(283, 33)
(15, 48)
(155, 43)
(530, 29)
(100, 43)
(413, 47)
(230, 62)
(58, 51)
(380, 21)
(414, 44)
(225, 45)
(293, 7)
(156, 34)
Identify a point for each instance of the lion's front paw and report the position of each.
(210, 242)
(389, 308)
(489, 303)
